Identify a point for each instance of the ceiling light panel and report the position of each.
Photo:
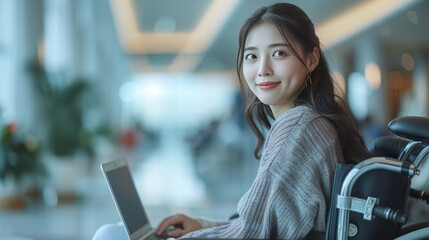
(195, 41)
(358, 18)
(185, 13)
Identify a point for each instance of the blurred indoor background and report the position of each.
(84, 82)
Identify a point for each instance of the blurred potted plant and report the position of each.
(62, 110)
(19, 158)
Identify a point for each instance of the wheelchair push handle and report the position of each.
(396, 216)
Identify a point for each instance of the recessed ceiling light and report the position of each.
(373, 75)
(165, 24)
(407, 62)
(412, 17)
(384, 29)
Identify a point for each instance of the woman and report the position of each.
(286, 78)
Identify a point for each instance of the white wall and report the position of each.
(21, 28)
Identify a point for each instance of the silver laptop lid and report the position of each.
(125, 196)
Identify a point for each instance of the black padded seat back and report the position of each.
(391, 188)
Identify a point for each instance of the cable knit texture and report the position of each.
(291, 192)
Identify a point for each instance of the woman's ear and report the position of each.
(313, 59)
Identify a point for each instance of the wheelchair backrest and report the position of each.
(391, 188)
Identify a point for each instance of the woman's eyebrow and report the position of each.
(273, 45)
(277, 45)
(250, 48)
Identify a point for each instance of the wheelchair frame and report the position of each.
(369, 207)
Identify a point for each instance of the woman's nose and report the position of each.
(265, 69)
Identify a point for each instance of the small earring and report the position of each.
(309, 80)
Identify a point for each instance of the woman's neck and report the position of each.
(279, 110)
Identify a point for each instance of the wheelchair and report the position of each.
(369, 200)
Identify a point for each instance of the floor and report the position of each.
(75, 221)
(168, 181)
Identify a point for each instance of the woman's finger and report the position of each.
(163, 226)
(176, 220)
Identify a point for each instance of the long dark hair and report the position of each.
(298, 30)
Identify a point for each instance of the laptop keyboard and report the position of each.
(154, 237)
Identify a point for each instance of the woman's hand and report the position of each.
(184, 223)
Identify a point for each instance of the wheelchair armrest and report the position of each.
(389, 146)
(392, 147)
(411, 127)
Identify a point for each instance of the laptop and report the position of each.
(127, 201)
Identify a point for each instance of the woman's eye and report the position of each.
(279, 54)
(250, 57)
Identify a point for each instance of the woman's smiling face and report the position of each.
(272, 72)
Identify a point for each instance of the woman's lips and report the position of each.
(267, 85)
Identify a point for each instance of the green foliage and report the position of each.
(18, 153)
(62, 109)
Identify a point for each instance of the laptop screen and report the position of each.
(128, 201)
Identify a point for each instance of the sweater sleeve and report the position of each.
(291, 191)
(209, 223)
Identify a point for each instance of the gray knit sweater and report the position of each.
(291, 192)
